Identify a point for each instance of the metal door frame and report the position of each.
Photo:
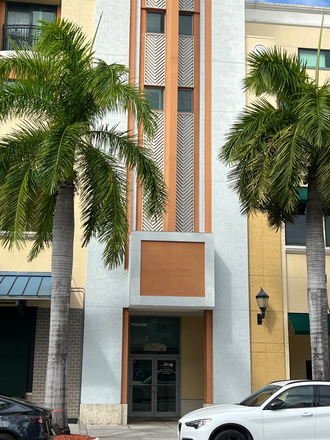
(154, 358)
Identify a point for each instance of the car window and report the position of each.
(297, 397)
(4, 405)
(324, 395)
(259, 397)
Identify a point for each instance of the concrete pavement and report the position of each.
(135, 430)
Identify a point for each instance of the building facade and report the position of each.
(170, 328)
(175, 327)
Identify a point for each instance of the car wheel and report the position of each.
(5, 436)
(230, 434)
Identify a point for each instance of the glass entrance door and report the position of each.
(153, 386)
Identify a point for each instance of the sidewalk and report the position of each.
(134, 430)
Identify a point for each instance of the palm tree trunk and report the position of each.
(317, 290)
(62, 260)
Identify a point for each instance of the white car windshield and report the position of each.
(259, 397)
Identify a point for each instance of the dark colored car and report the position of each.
(23, 420)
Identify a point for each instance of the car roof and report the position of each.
(299, 381)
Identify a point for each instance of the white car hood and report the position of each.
(209, 411)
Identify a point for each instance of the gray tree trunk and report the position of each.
(62, 261)
(317, 290)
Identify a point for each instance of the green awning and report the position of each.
(303, 195)
(300, 323)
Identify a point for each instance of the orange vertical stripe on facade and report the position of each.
(208, 356)
(208, 115)
(143, 29)
(171, 108)
(2, 18)
(124, 355)
(130, 122)
(59, 11)
(196, 109)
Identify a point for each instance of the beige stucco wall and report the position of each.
(297, 281)
(15, 260)
(192, 358)
(82, 12)
(288, 37)
(265, 270)
(266, 247)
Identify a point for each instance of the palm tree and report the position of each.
(60, 148)
(274, 151)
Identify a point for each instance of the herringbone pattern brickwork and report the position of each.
(158, 4)
(155, 60)
(185, 174)
(186, 61)
(186, 5)
(157, 146)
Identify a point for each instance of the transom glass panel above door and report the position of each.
(154, 335)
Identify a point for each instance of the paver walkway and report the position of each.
(134, 430)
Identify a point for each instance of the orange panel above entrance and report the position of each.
(172, 269)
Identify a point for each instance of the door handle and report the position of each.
(306, 414)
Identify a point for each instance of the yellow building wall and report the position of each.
(297, 280)
(15, 260)
(271, 348)
(289, 38)
(265, 270)
(192, 358)
(81, 12)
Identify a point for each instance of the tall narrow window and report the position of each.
(155, 22)
(185, 100)
(295, 234)
(185, 24)
(155, 96)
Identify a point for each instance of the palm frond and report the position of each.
(313, 111)
(66, 41)
(64, 93)
(113, 92)
(290, 165)
(42, 227)
(276, 73)
(58, 153)
(122, 146)
(19, 187)
(103, 190)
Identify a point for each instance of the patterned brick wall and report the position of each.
(74, 358)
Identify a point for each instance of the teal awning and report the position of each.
(303, 195)
(25, 285)
(300, 323)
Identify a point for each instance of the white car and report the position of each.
(284, 410)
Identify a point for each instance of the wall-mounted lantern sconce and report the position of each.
(262, 300)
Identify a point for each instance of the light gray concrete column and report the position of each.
(106, 290)
(231, 332)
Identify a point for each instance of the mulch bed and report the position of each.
(74, 437)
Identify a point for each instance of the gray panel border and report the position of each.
(135, 270)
